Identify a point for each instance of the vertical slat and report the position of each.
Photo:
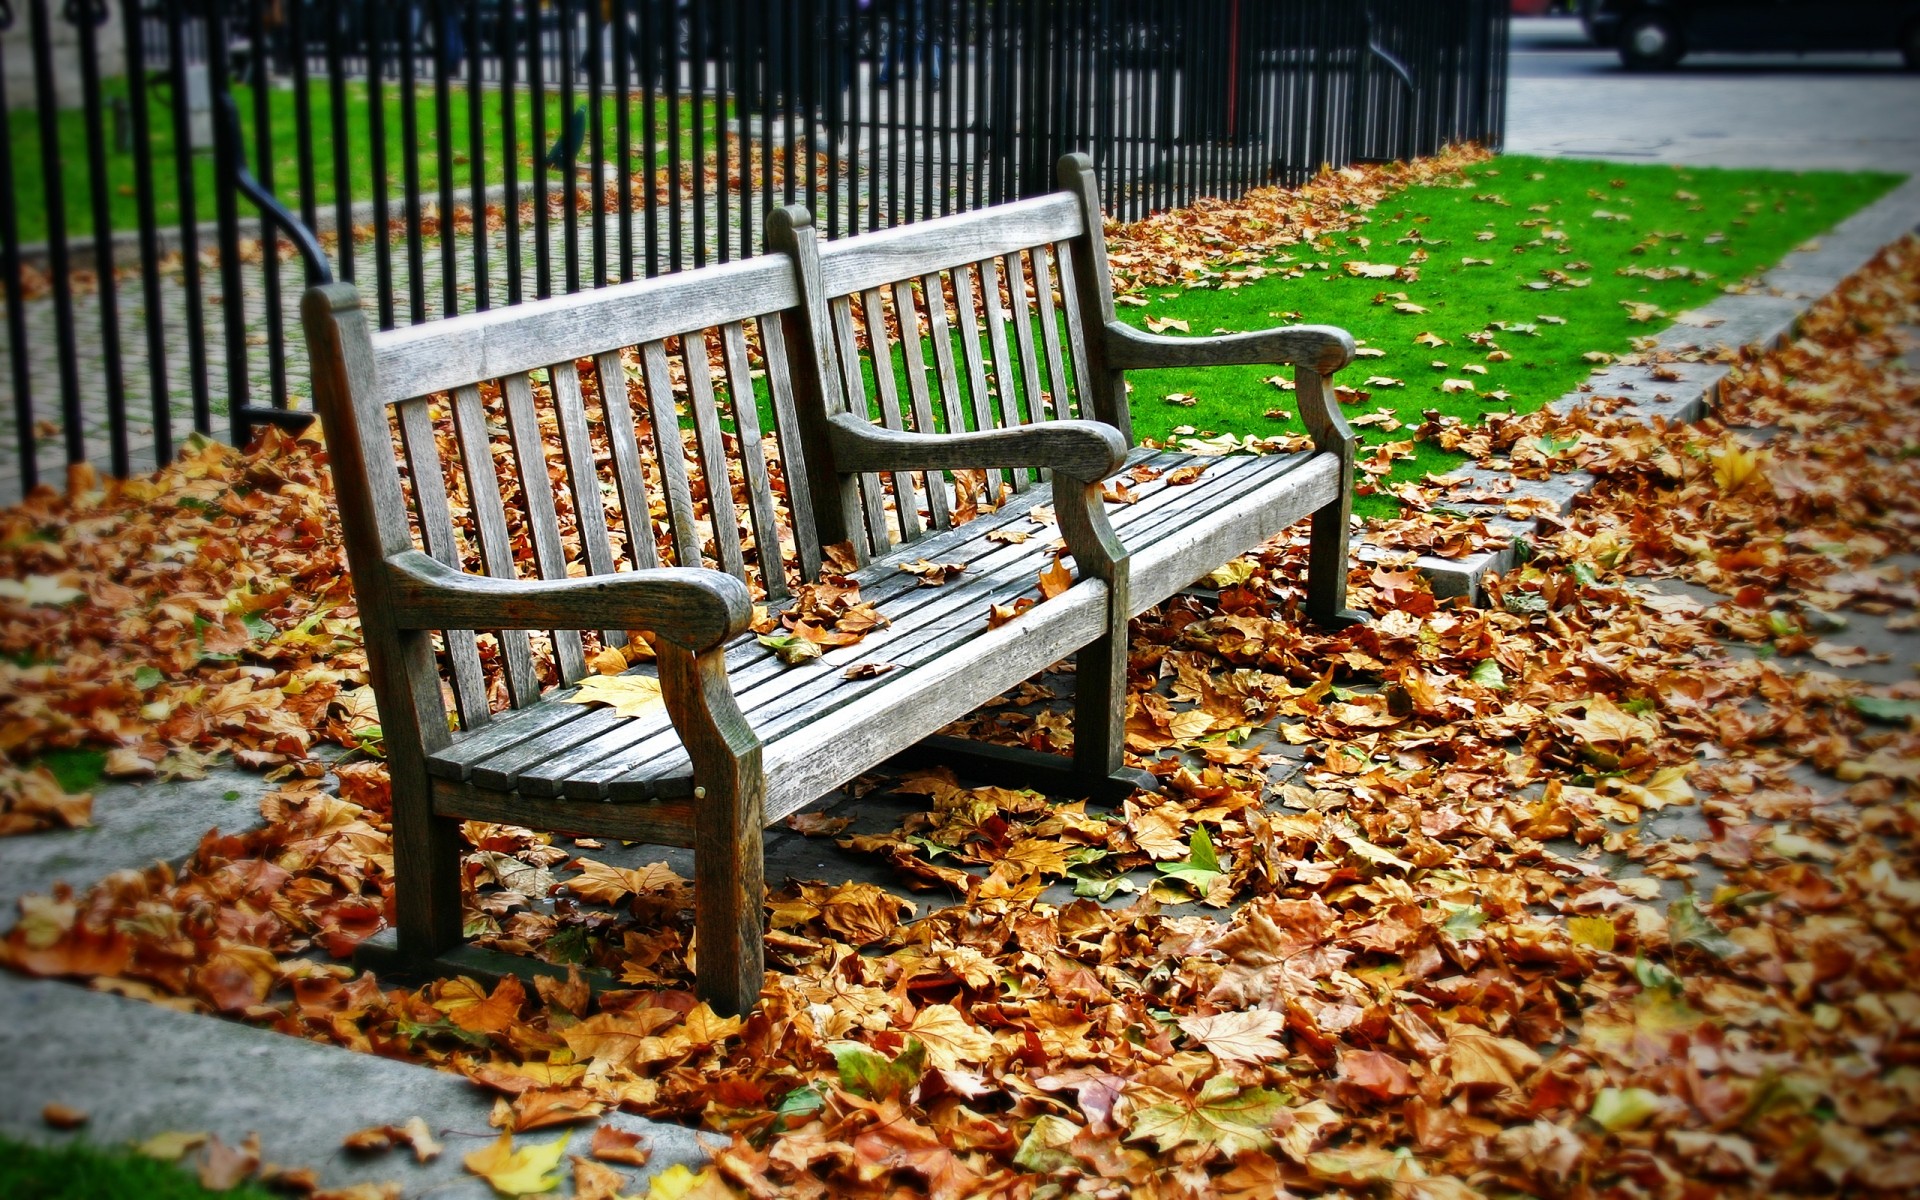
(941, 335)
(628, 476)
(536, 489)
(1023, 336)
(1076, 332)
(436, 526)
(909, 319)
(996, 317)
(806, 535)
(753, 461)
(1050, 333)
(671, 452)
(906, 502)
(490, 523)
(969, 320)
(713, 455)
(847, 352)
(589, 510)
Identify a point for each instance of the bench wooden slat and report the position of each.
(847, 353)
(968, 318)
(786, 421)
(1023, 336)
(490, 523)
(753, 461)
(939, 515)
(439, 356)
(629, 477)
(1076, 334)
(996, 319)
(670, 454)
(713, 454)
(1050, 333)
(505, 730)
(543, 525)
(879, 258)
(436, 529)
(583, 482)
(906, 501)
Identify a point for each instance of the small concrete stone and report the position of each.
(138, 1070)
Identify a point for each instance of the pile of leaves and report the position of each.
(1456, 962)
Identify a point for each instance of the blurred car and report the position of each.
(1655, 34)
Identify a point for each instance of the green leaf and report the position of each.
(1487, 673)
(1686, 926)
(873, 1075)
(797, 1105)
(1616, 1109)
(147, 678)
(1043, 1151)
(1585, 574)
(1464, 921)
(1201, 866)
(1885, 710)
(1656, 978)
(1222, 1115)
(259, 627)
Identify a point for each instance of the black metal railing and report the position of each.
(450, 155)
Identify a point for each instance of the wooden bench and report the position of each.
(606, 444)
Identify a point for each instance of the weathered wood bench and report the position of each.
(901, 369)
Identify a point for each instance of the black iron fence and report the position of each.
(449, 155)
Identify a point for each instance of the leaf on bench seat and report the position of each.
(1055, 579)
(628, 695)
(933, 574)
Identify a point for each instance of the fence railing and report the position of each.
(451, 155)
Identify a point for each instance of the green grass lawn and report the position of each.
(1525, 268)
(79, 1171)
(29, 180)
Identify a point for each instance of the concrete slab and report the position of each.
(139, 1070)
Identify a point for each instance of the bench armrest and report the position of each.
(1083, 450)
(693, 607)
(1321, 348)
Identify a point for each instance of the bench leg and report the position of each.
(730, 790)
(426, 869)
(1327, 564)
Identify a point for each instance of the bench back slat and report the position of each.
(939, 513)
(723, 518)
(672, 452)
(589, 509)
(490, 525)
(1059, 393)
(629, 477)
(1072, 306)
(994, 314)
(967, 319)
(753, 459)
(846, 353)
(435, 515)
(786, 420)
(906, 500)
(537, 507)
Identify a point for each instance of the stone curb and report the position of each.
(1759, 320)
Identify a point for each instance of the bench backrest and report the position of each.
(439, 432)
(985, 320)
(636, 384)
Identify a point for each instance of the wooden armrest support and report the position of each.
(692, 607)
(1083, 450)
(1321, 348)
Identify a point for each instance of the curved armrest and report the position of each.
(1321, 348)
(692, 607)
(1083, 450)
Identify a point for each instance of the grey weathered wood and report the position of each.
(1019, 767)
(1327, 560)
(426, 848)
(664, 824)
(1071, 300)
(543, 524)
(1085, 449)
(906, 501)
(876, 259)
(996, 320)
(629, 477)
(436, 528)
(670, 454)
(1103, 387)
(808, 337)
(1050, 333)
(793, 468)
(939, 333)
(939, 515)
(846, 352)
(490, 524)
(1023, 335)
(968, 318)
(438, 356)
(583, 482)
(713, 454)
(753, 461)
(1320, 348)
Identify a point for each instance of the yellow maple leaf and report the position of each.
(523, 1172)
(1733, 465)
(628, 695)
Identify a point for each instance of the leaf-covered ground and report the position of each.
(1449, 957)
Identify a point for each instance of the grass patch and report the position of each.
(75, 770)
(1574, 258)
(30, 193)
(79, 1171)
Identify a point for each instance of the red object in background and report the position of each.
(1531, 8)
